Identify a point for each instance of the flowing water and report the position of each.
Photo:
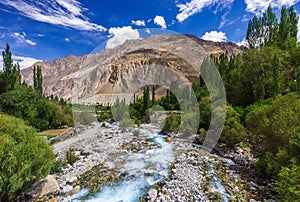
(142, 170)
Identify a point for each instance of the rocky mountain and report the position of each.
(121, 71)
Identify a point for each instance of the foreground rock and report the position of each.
(44, 187)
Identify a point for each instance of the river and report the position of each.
(186, 171)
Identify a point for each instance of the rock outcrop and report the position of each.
(124, 69)
(44, 187)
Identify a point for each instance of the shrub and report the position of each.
(126, 123)
(288, 183)
(71, 158)
(172, 124)
(233, 131)
(25, 157)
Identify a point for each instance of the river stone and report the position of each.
(73, 179)
(44, 187)
(152, 193)
(67, 189)
(76, 189)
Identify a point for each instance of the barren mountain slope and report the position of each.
(122, 70)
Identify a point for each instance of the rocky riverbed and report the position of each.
(141, 165)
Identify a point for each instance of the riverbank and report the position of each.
(103, 153)
(92, 146)
(198, 175)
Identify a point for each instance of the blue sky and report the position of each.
(50, 29)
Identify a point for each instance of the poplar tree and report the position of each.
(272, 27)
(38, 80)
(146, 100)
(153, 95)
(293, 27)
(11, 71)
(283, 28)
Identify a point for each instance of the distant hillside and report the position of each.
(93, 78)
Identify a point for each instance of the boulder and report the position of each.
(44, 187)
(152, 193)
(67, 189)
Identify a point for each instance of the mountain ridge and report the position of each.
(88, 78)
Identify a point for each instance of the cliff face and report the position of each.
(124, 69)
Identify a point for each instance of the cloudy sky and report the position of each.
(50, 29)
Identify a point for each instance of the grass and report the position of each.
(52, 133)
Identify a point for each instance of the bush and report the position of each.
(172, 124)
(86, 118)
(288, 183)
(126, 123)
(58, 165)
(71, 158)
(233, 131)
(272, 125)
(25, 157)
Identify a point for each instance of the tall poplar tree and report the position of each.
(11, 71)
(38, 80)
(283, 28)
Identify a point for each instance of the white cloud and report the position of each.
(260, 6)
(21, 38)
(138, 22)
(67, 13)
(195, 6)
(120, 35)
(214, 36)
(67, 40)
(160, 21)
(224, 20)
(242, 43)
(24, 62)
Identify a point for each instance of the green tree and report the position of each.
(288, 183)
(20, 103)
(146, 100)
(283, 28)
(293, 27)
(261, 83)
(272, 28)
(276, 76)
(153, 95)
(11, 71)
(271, 125)
(24, 156)
(38, 80)
(298, 81)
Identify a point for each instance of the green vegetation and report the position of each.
(25, 157)
(29, 103)
(70, 158)
(262, 85)
(263, 109)
(172, 124)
